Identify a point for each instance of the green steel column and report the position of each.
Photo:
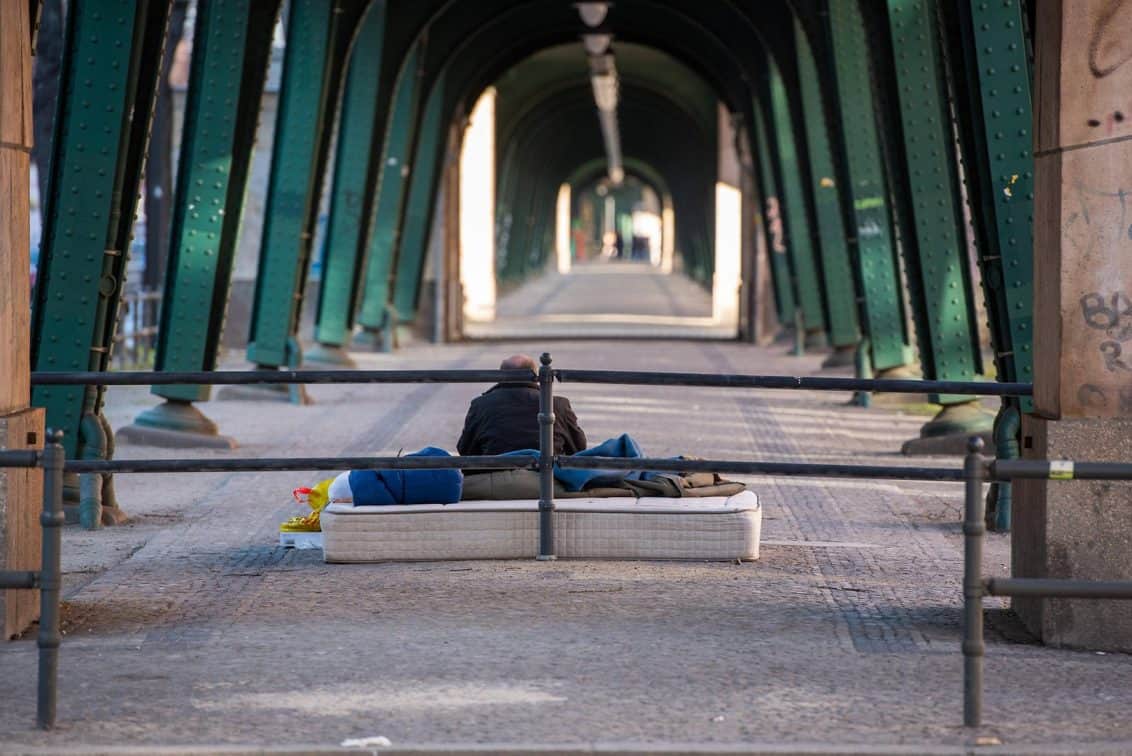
(409, 255)
(878, 272)
(836, 271)
(996, 78)
(356, 167)
(319, 33)
(231, 49)
(375, 310)
(949, 347)
(107, 91)
(793, 210)
(775, 239)
(1003, 70)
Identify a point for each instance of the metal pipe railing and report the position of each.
(975, 587)
(808, 383)
(975, 470)
(292, 464)
(48, 579)
(546, 460)
(245, 377)
(1055, 588)
(974, 530)
(1059, 469)
(740, 467)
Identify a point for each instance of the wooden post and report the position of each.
(20, 427)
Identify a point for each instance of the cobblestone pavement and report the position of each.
(190, 626)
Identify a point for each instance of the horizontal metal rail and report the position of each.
(19, 458)
(285, 464)
(1008, 469)
(18, 579)
(244, 377)
(1054, 588)
(888, 385)
(620, 377)
(737, 467)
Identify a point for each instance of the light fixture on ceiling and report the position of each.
(596, 44)
(592, 13)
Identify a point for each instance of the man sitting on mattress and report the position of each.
(505, 418)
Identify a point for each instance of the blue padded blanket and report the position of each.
(576, 480)
(379, 488)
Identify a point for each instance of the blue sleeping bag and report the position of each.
(578, 479)
(382, 488)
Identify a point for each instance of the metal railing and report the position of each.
(48, 579)
(974, 472)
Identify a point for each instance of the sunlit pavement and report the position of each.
(606, 300)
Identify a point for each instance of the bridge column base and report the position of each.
(1074, 529)
(948, 431)
(328, 354)
(175, 424)
(841, 356)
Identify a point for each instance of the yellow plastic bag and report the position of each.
(316, 498)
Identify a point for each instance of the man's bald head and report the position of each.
(519, 362)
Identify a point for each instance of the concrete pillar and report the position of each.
(1083, 319)
(21, 492)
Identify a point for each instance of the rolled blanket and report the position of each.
(378, 488)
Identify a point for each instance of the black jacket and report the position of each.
(505, 418)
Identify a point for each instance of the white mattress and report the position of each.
(708, 528)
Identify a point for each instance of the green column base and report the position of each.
(376, 339)
(901, 373)
(948, 431)
(266, 392)
(175, 424)
(904, 373)
(328, 354)
(841, 356)
(815, 339)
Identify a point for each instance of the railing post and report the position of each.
(974, 528)
(546, 460)
(50, 579)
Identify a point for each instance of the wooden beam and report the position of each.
(15, 153)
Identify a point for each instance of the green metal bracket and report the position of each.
(391, 191)
(877, 265)
(802, 253)
(232, 45)
(773, 227)
(107, 90)
(836, 271)
(949, 341)
(353, 197)
(409, 255)
(319, 34)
